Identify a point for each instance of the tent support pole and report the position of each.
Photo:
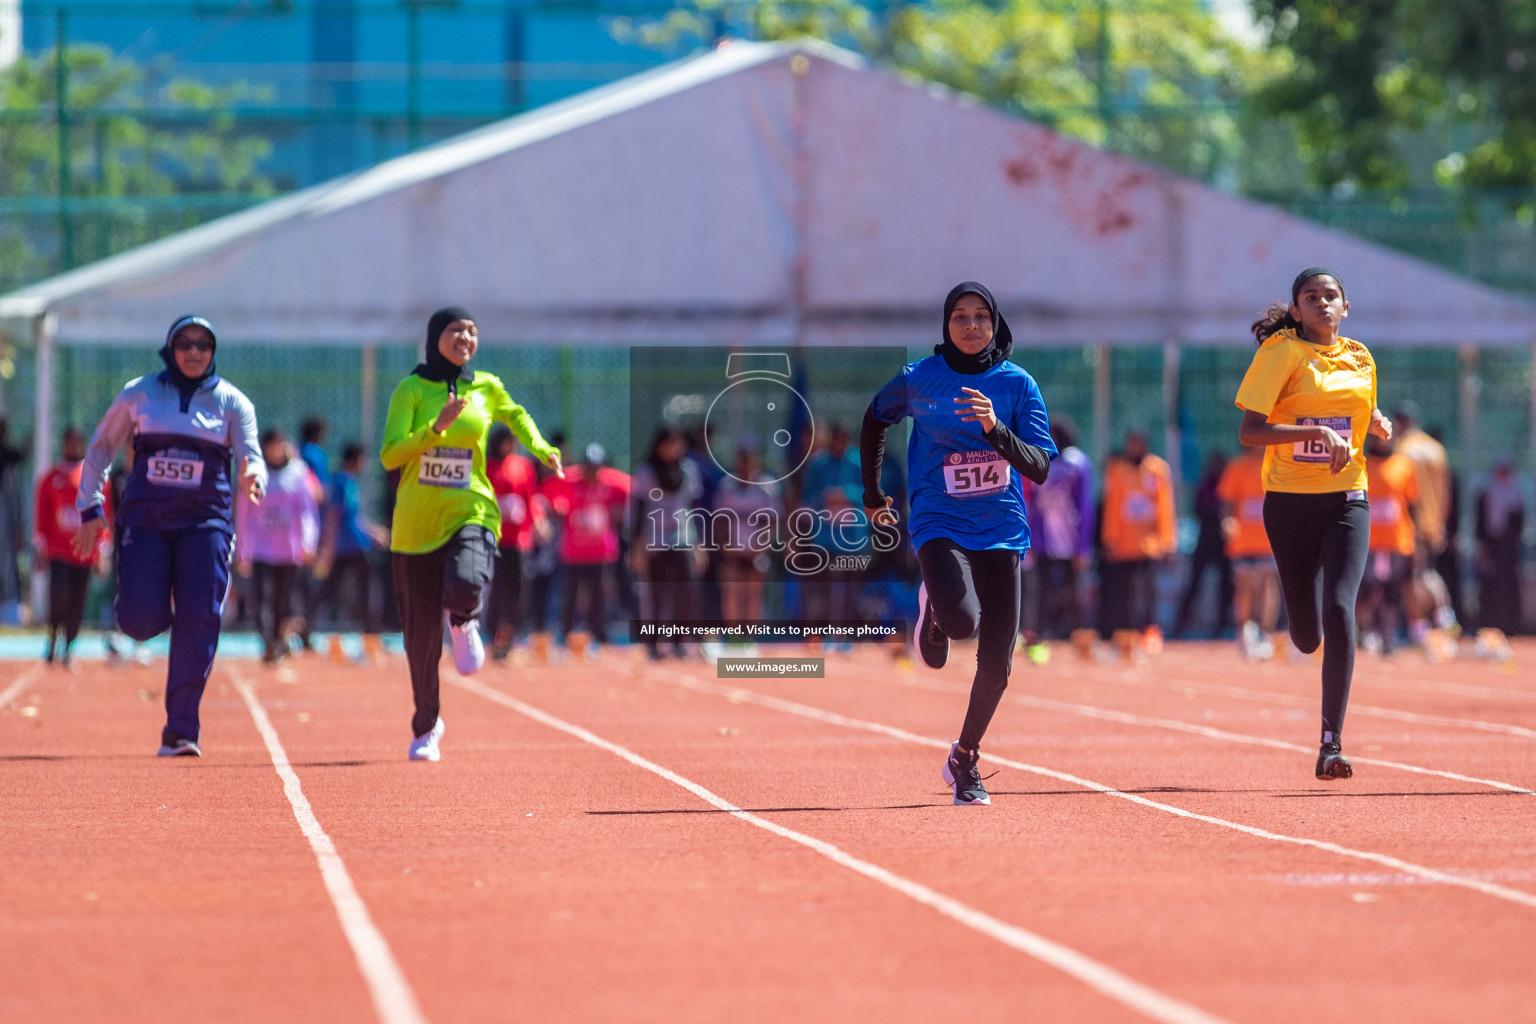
(43, 332)
(1172, 436)
(1531, 374)
(370, 400)
(1468, 395)
(800, 65)
(1101, 386)
(44, 329)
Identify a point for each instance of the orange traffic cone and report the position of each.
(335, 653)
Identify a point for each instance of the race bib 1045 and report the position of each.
(174, 471)
(975, 474)
(1316, 450)
(447, 467)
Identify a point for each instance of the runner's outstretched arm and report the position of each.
(1032, 461)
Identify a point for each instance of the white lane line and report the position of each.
(1174, 724)
(19, 684)
(1368, 710)
(393, 1000)
(1102, 979)
(1524, 899)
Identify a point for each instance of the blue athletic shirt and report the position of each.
(958, 486)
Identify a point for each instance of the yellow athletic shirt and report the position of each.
(1292, 381)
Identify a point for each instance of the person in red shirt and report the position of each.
(590, 502)
(523, 517)
(55, 522)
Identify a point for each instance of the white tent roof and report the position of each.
(757, 194)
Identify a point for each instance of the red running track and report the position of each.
(1156, 848)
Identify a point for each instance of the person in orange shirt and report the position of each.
(1308, 400)
(1256, 591)
(1137, 532)
(1394, 493)
(55, 522)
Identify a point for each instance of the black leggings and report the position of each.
(588, 579)
(1127, 595)
(455, 577)
(272, 592)
(67, 585)
(1320, 543)
(504, 609)
(976, 592)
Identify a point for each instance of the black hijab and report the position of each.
(669, 475)
(184, 384)
(995, 352)
(439, 366)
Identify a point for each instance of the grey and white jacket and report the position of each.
(182, 451)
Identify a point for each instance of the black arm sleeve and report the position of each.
(1032, 462)
(871, 456)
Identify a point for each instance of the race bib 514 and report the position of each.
(447, 467)
(1316, 450)
(975, 474)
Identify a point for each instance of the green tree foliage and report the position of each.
(129, 137)
(1157, 79)
(1370, 72)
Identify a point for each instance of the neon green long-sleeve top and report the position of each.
(443, 487)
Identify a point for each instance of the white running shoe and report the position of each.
(424, 748)
(468, 648)
(1248, 639)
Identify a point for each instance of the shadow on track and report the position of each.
(765, 810)
(1346, 793)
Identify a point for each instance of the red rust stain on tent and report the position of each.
(1098, 207)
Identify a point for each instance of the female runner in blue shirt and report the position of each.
(979, 424)
(176, 523)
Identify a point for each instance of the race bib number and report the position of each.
(69, 519)
(1385, 513)
(513, 508)
(447, 467)
(1139, 508)
(1317, 451)
(174, 471)
(276, 518)
(975, 474)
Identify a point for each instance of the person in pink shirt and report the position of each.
(277, 538)
(591, 502)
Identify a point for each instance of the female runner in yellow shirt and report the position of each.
(1308, 400)
(446, 523)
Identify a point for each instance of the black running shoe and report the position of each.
(932, 644)
(1331, 764)
(962, 772)
(172, 745)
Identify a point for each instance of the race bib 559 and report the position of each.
(174, 471)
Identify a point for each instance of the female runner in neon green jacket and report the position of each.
(446, 523)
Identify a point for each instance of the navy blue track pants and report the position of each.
(176, 580)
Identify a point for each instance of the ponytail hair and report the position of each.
(1275, 319)
(1278, 317)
